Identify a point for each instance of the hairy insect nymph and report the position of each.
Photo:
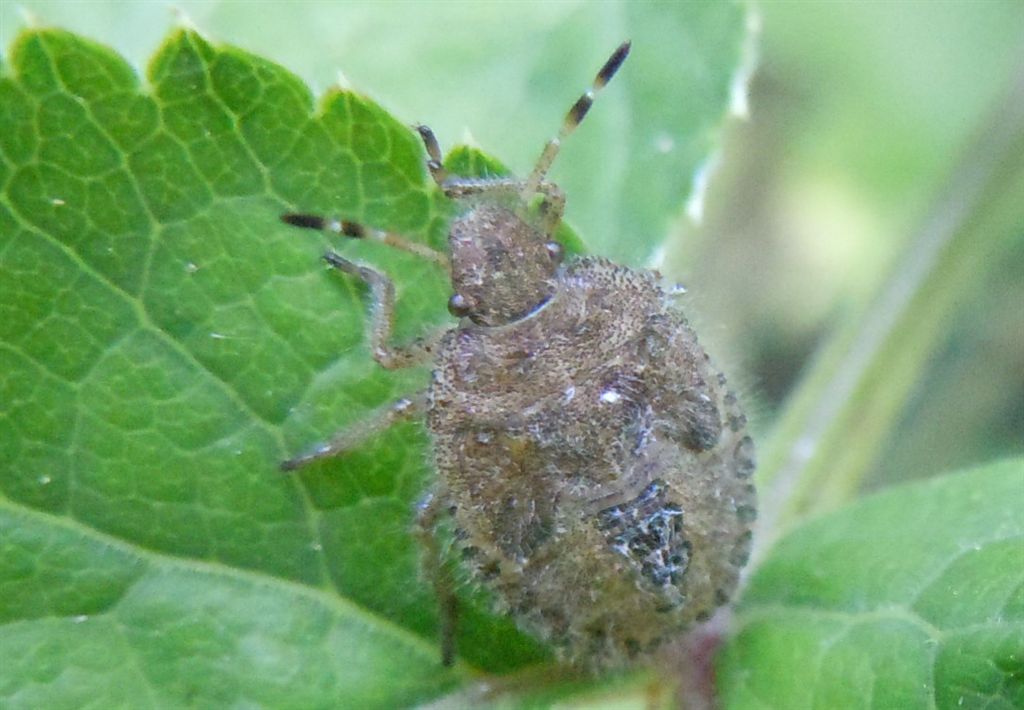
(596, 465)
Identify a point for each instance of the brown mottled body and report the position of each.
(596, 465)
(544, 424)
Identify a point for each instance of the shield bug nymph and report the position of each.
(596, 464)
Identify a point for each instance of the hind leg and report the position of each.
(353, 436)
(429, 513)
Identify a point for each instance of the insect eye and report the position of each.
(555, 251)
(458, 306)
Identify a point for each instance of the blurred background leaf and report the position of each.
(863, 115)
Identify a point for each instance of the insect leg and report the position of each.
(353, 436)
(354, 230)
(456, 187)
(428, 513)
(552, 207)
(382, 311)
(434, 162)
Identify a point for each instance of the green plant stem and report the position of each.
(846, 407)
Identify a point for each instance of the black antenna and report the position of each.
(573, 118)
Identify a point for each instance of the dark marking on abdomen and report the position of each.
(648, 530)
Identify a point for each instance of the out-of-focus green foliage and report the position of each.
(863, 113)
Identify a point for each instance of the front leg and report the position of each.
(382, 313)
(552, 205)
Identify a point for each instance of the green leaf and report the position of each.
(92, 621)
(913, 598)
(165, 342)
